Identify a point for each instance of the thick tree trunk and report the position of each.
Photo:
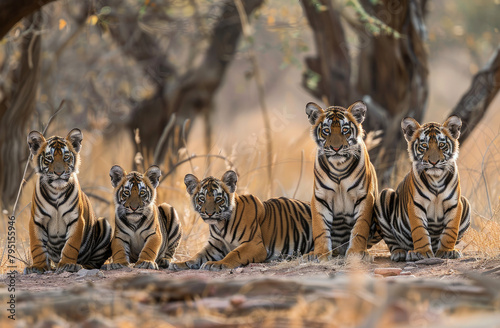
(392, 72)
(474, 103)
(190, 94)
(332, 62)
(12, 11)
(16, 110)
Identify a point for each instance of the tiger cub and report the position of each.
(244, 230)
(345, 183)
(426, 215)
(63, 228)
(145, 234)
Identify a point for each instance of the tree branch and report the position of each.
(483, 89)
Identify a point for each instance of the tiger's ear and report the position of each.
(453, 124)
(230, 178)
(409, 126)
(313, 112)
(116, 173)
(153, 174)
(191, 183)
(75, 136)
(358, 110)
(35, 141)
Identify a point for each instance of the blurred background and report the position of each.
(182, 85)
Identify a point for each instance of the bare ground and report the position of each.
(298, 293)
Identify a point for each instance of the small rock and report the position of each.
(94, 273)
(378, 276)
(237, 300)
(401, 277)
(386, 272)
(410, 267)
(405, 273)
(431, 261)
(238, 270)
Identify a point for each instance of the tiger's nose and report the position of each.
(337, 148)
(133, 208)
(59, 173)
(434, 163)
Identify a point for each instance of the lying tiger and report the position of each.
(63, 228)
(345, 183)
(427, 215)
(145, 234)
(244, 230)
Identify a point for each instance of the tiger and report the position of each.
(345, 183)
(243, 229)
(427, 215)
(63, 229)
(145, 234)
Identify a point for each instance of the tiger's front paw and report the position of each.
(178, 266)
(215, 266)
(146, 265)
(363, 255)
(114, 266)
(448, 254)
(413, 256)
(34, 269)
(399, 255)
(68, 267)
(318, 257)
(163, 263)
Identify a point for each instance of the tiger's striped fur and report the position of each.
(63, 227)
(426, 215)
(145, 234)
(244, 230)
(345, 183)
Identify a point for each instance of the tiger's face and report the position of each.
(135, 193)
(433, 147)
(57, 158)
(337, 131)
(212, 198)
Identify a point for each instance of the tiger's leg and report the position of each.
(450, 233)
(250, 252)
(361, 231)
(38, 249)
(70, 251)
(120, 251)
(321, 228)
(465, 220)
(149, 253)
(169, 220)
(100, 249)
(420, 235)
(386, 209)
(214, 250)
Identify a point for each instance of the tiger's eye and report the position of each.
(143, 193)
(66, 157)
(345, 130)
(326, 130)
(441, 145)
(424, 145)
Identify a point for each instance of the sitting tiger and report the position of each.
(145, 234)
(244, 230)
(345, 183)
(63, 228)
(426, 215)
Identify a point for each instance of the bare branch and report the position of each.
(483, 89)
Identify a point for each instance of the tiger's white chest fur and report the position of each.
(340, 195)
(59, 208)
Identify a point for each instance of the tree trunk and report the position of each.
(12, 11)
(332, 62)
(17, 109)
(190, 94)
(392, 72)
